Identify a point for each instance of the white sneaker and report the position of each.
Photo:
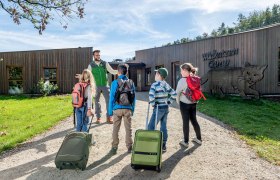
(186, 145)
(197, 141)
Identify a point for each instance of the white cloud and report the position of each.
(21, 41)
(15, 41)
(130, 20)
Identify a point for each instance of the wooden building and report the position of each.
(258, 47)
(21, 71)
(132, 72)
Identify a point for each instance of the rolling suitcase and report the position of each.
(74, 150)
(147, 148)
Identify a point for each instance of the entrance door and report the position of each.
(176, 75)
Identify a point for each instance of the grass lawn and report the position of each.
(257, 122)
(22, 117)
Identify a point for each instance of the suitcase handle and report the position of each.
(147, 118)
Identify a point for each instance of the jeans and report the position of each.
(188, 112)
(162, 118)
(82, 119)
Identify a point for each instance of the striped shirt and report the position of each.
(161, 93)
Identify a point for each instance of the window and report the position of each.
(176, 75)
(159, 66)
(148, 76)
(15, 80)
(50, 75)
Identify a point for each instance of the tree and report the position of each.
(205, 35)
(275, 13)
(40, 12)
(214, 33)
(185, 40)
(230, 30)
(222, 29)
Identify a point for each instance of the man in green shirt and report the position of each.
(99, 69)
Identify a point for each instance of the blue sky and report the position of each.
(118, 28)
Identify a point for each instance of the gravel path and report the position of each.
(222, 155)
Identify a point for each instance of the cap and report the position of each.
(163, 72)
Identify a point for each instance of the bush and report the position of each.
(46, 88)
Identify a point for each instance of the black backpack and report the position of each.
(125, 93)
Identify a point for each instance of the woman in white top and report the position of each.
(187, 107)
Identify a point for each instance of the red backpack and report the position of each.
(78, 94)
(193, 92)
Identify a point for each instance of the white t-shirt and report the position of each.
(181, 87)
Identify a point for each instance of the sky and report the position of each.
(119, 28)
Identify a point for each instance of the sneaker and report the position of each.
(113, 150)
(183, 143)
(163, 148)
(129, 150)
(98, 121)
(109, 120)
(197, 141)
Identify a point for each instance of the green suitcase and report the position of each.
(147, 148)
(74, 150)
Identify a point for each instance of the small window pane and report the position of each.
(15, 80)
(148, 76)
(50, 75)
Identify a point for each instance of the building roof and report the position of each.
(248, 31)
(131, 64)
(44, 50)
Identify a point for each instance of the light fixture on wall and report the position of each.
(1, 59)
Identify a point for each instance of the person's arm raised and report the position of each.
(110, 69)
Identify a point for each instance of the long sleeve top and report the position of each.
(112, 101)
(181, 87)
(161, 93)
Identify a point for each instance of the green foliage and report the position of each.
(23, 117)
(257, 122)
(255, 19)
(47, 87)
(39, 13)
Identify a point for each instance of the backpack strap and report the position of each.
(121, 84)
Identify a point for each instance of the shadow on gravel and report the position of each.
(167, 167)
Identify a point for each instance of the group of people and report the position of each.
(120, 101)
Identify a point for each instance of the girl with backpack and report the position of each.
(188, 104)
(83, 107)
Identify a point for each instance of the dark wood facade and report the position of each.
(132, 72)
(64, 63)
(258, 47)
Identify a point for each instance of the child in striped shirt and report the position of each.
(161, 95)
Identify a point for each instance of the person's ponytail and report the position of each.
(189, 67)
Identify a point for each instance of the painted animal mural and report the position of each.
(239, 79)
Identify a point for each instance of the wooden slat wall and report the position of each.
(259, 47)
(67, 61)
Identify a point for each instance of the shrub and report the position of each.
(47, 87)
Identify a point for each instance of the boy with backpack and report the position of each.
(121, 106)
(189, 92)
(82, 100)
(161, 95)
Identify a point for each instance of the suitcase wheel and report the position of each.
(60, 168)
(133, 167)
(158, 169)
